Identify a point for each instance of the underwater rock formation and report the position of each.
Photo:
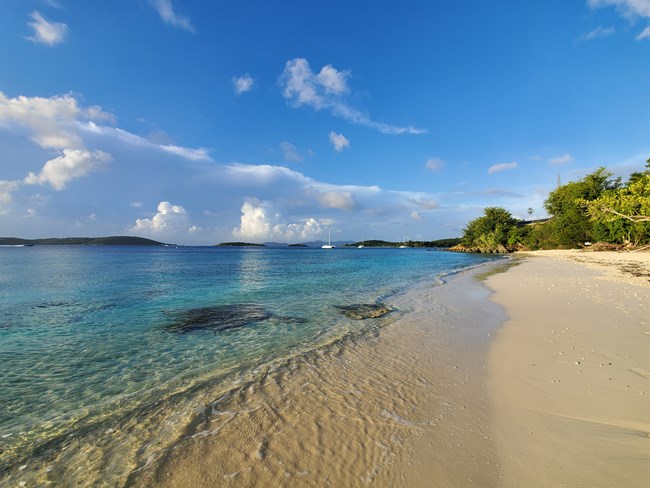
(360, 311)
(218, 318)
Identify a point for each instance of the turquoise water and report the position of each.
(90, 333)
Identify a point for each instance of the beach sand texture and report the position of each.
(569, 372)
(407, 408)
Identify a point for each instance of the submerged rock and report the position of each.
(360, 311)
(219, 318)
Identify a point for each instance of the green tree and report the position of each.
(623, 214)
(570, 224)
(495, 231)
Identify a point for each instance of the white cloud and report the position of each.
(243, 84)
(425, 203)
(536, 157)
(74, 163)
(598, 32)
(564, 159)
(629, 9)
(52, 122)
(415, 215)
(496, 168)
(291, 154)
(434, 164)
(46, 32)
(339, 141)
(259, 221)
(6, 188)
(325, 90)
(169, 219)
(332, 80)
(644, 34)
(342, 200)
(191, 154)
(166, 11)
(136, 204)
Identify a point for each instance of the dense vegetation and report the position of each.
(86, 241)
(239, 244)
(595, 208)
(379, 243)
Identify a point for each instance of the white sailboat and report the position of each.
(404, 246)
(361, 246)
(329, 240)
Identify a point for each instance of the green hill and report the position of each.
(81, 241)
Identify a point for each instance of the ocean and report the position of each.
(109, 352)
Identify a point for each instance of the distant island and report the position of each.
(379, 243)
(80, 241)
(239, 244)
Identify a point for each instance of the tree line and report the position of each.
(596, 208)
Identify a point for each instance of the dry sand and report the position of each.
(569, 372)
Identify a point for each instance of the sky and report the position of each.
(202, 122)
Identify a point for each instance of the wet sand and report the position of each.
(569, 372)
(405, 407)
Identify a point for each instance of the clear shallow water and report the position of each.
(84, 331)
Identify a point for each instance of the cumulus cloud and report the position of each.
(74, 163)
(166, 12)
(52, 122)
(260, 221)
(559, 160)
(169, 218)
(630, 9)
(290, 152)
(434, 164)
(243, 84)
(326, 90)
(339, 141)
(342, 200)
(46, 32)
(496, 168)
(415, 215)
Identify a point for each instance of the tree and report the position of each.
(495, 231)
(570, 224)
(624, 213)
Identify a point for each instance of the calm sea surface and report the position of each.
(88, 334)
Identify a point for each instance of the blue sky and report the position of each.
(201, 122)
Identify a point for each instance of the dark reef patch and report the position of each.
(218, 318)
(360, 311)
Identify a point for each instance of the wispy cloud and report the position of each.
(326, 90)
(339, 141)
(46, 32)
(644, 34)
(243, 83)
(630, 9)
(598, 32)
(290, 152)
(497, 168)
(434, 164)
(559, 160)
(166, 11)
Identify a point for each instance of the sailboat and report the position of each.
(329, 240)
(361, 246)
(404, 246)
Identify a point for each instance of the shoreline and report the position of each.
(569, 371)
(399, 408)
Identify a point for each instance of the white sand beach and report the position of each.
(569, 372)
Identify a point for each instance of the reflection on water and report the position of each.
(87, 362)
